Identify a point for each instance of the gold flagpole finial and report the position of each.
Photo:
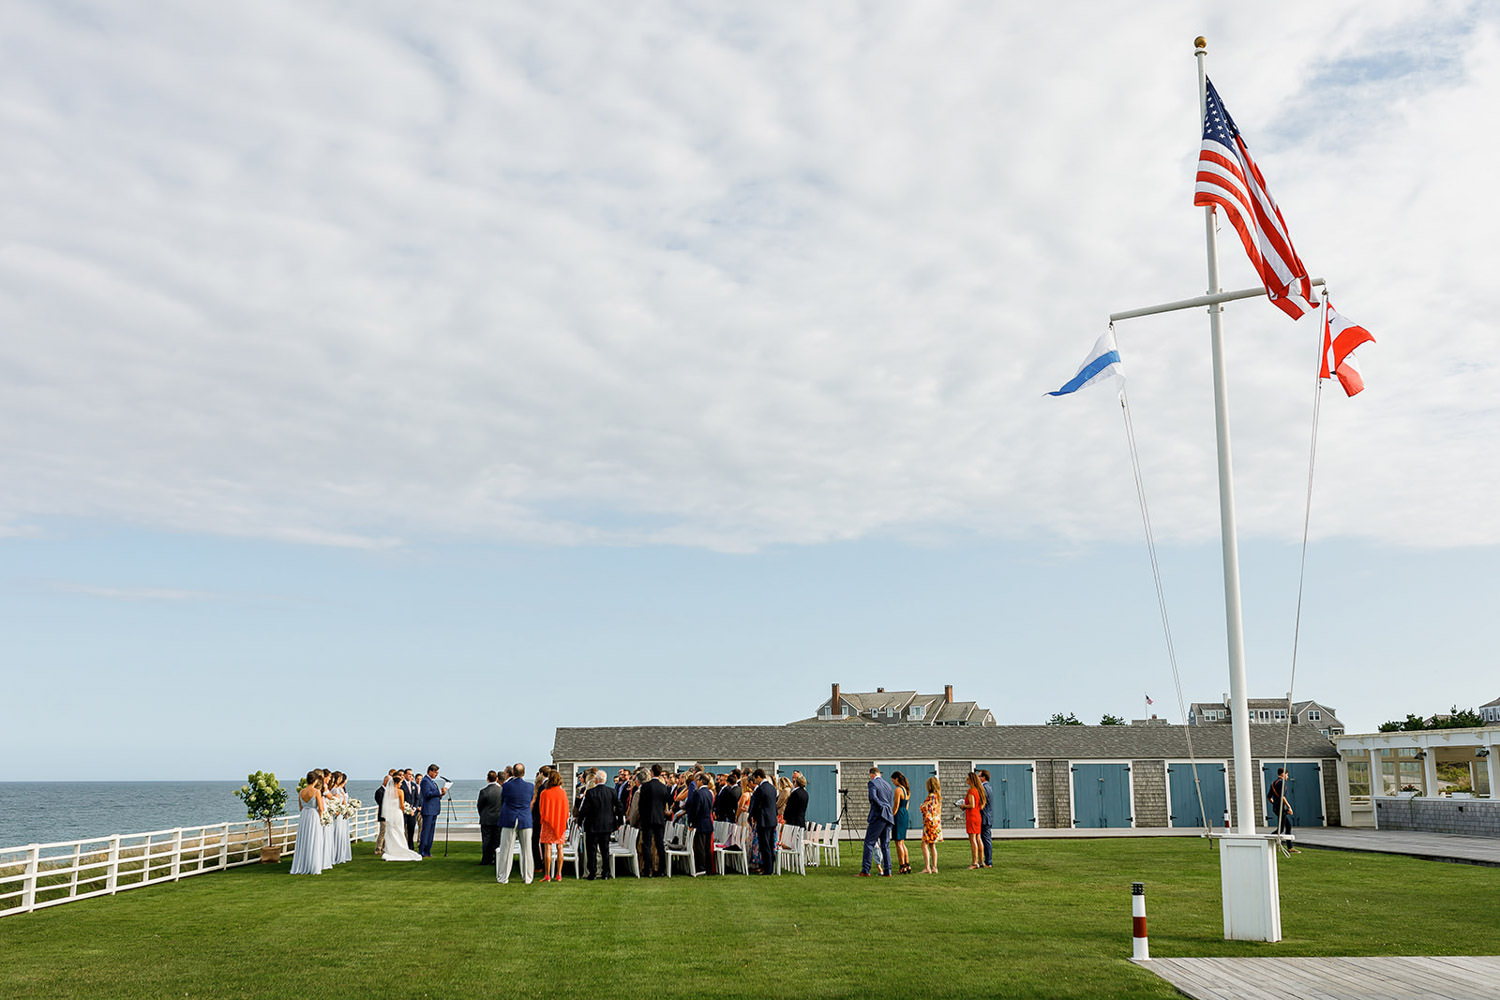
(1200, 44)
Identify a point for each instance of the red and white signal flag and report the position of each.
(1340, 337)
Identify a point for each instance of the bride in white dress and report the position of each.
(396, 848)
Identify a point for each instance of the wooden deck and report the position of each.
(1432, 846)
(1372, 978)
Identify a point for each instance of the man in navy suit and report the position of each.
(700, 816)
(878, 827)
(987, 820)
(763, 815)
(515, 822)
(432, 804)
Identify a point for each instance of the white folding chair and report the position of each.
(625, 851)
(732, 850)
(789, 850)
(680, 846)
(572, 849)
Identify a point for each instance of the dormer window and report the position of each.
(1313, 715)
(917, 711)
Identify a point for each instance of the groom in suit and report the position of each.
(409, 796)
(878, 828)
(432, 804)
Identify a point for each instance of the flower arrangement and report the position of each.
(264, 798)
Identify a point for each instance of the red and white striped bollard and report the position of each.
(1140, 950)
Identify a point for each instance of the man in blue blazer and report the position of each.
(987, 820)
(700, 816)
(878, 826)
(515, 823)
(763, 815)
(432, 803)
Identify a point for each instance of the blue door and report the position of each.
(1305, 793)
(1011, 785)
(822, 789)
(916, 776)
(1101, 795)
(1182, 796)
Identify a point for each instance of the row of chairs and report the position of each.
(796, 848)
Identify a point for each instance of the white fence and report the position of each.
(41, 875)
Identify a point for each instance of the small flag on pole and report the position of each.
(1149, 701)
(1229, 179)
(1102, 363)
(1340, 337)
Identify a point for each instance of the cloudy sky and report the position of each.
(383, 383)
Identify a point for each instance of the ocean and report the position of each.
(44, 812)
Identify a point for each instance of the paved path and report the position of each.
(1373, 978)
(1433, 846)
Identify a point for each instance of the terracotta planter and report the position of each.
(270, 855)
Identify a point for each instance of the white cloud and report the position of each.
(724, 277)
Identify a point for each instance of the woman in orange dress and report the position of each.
(553, 805)
(973, 807)
(932, 825)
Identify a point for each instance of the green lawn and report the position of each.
(1051, 919)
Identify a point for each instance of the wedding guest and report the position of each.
(597, 817)
(783, 792)
(536, 815)
(903, 821)
(307, 855)
(515, 823)
(932, 825)
(763, 816)
(552, 810)
(796, 803)
(654, 803)
(700, 817)
(973, 803)
(987, 821)
(380, 812)
(728, 799)
(488, 807)
(878, 826)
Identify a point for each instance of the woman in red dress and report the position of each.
(553, 805)
(973, 806)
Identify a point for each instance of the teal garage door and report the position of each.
(1013, 789)
(916, 776)
(1101, 796)
(1182, 796)
(1306, 793)
(822, 789)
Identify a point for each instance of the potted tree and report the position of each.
(264, 800)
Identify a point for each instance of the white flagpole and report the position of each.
(1252, 909)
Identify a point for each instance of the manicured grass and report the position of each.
(1051, 919)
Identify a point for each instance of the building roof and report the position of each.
(1491, 704)
(792, 743)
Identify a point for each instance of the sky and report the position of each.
(382, 385)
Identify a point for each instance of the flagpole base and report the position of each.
(1252, 893)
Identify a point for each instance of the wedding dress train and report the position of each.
(396, 848)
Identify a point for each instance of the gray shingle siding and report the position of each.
(1150, 781)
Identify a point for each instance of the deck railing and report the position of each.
(41, 875)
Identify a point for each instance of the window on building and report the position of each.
(1323, 731)
(1313, 715)
(917, 711)
(1280, 715)
(1262, 715)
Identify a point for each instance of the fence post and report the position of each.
(176, 854)
(77, 857)
(224, 847)
(112, 878)
(28, 886)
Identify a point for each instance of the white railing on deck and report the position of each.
(40, 875)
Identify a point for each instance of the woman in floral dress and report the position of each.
(932, 825)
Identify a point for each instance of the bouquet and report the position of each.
(328, 815)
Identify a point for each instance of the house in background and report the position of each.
(1270, 710)
(899, 708)
(1490, 712)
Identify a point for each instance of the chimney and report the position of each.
(947, 694)
(833, 706)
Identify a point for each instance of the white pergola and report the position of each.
(1392, 763)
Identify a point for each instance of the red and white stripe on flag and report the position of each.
(1340, 337)
(1229, 179)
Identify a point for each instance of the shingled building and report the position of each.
(1042, 776)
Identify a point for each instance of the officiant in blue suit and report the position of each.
(432, 804)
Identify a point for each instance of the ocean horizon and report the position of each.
(45, 812)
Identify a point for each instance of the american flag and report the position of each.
(1229, 179)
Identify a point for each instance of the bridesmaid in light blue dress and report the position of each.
(307, 856)
(330, 803)
(341, 849)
